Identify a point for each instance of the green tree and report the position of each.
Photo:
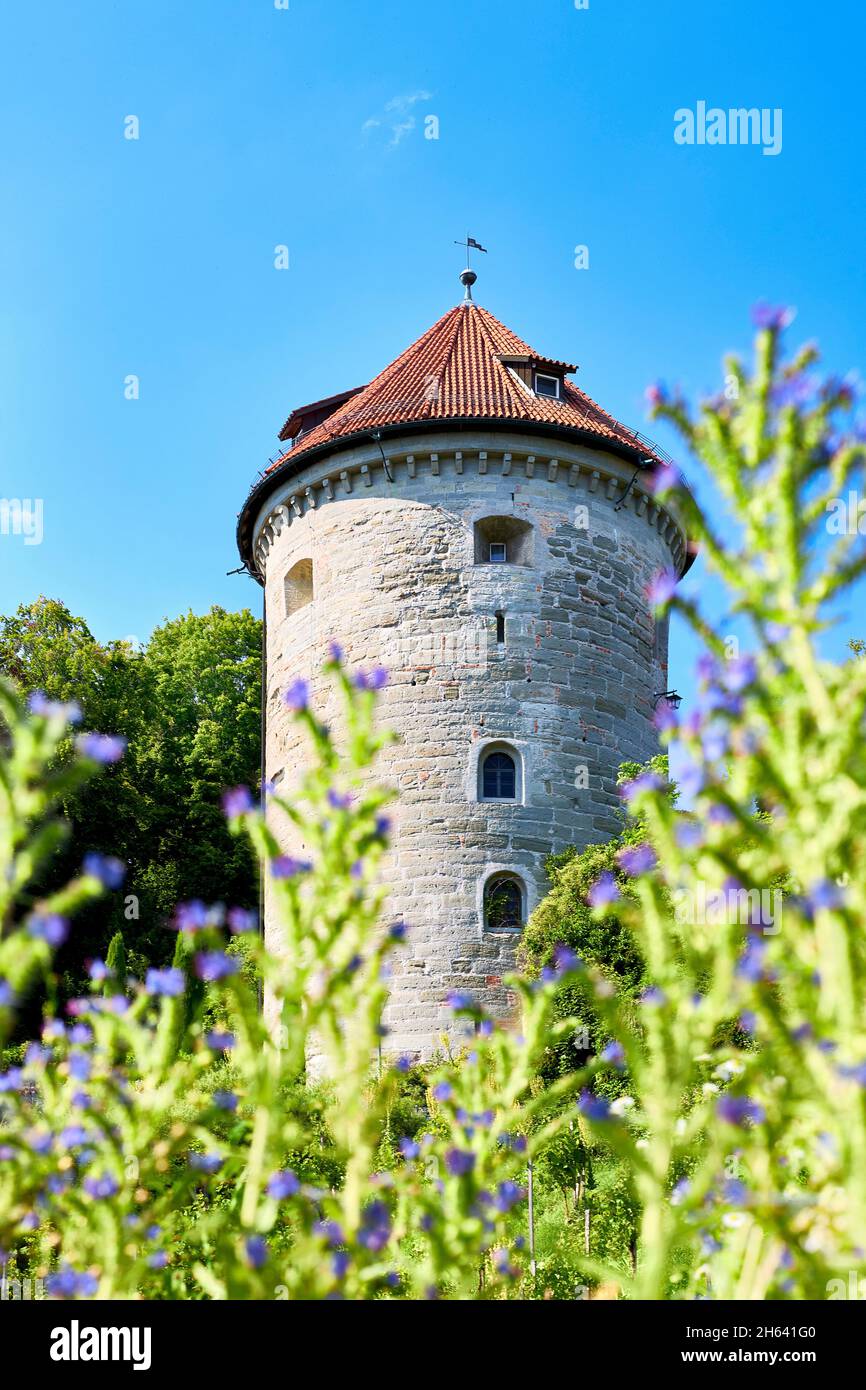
(188, 705)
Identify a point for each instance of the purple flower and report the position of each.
(169, 982)
(110, 872)
(614, 1054)
(375, 1226)
(101, 748)
(80, 1066)
(215, 965)
(508, 1194)
(740, 672)
(340, 1262)
(637, 859)
(285, 866)
(205, 1163)
(565, 959)
(98, 971)
(604, 891)
(36, 1055)
(459, 1162)
(720, 814)
(335, 652)
(515, 1142)
(825, 895)
(237, 802)
(225, 1100)
(11, 1080)
(767, 316)
(283, 1185)
(652, 997)
(460, 1002)
(752, 964)
(397, 931)
(796, 389)
(7, 995)
(219, 1041)
(375, 679)
(657, 393)
(331, 1232)
(50, 928)
(73, 1136)
(80, 1034)
(661, 588)
(644, 782)
(256, 1248)
(117, 1004)
(383, 826)
(689, 835)
(67, 712)
(158, 1260)
(101, 1188)
(241, 919)
(297, 697)
(192, 916)
(340, 801)
(691, 779)
(739, 1110)
(68, 1283)
(665, 716)
(593, 1107)
(409, 1149)
(443, 1091)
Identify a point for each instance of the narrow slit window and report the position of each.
(500, 629)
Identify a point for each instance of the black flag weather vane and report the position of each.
(471, 245)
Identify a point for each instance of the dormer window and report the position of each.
(546, 385)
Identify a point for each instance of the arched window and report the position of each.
(503, 903)
(498, 777)
(298, 586)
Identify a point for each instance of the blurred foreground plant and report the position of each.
(161, 1139)
(744, 1128)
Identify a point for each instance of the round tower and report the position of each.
(478, 525)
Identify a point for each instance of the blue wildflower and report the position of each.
(101, 748)
(109, 871)
(238, 801)
(283, 1185)
(215, 965)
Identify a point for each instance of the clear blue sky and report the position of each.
(261, 127)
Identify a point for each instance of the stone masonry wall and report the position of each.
(570, 689)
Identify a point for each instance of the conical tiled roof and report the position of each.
(459, 370)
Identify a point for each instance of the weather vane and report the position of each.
(468, 277)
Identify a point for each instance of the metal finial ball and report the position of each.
(468, 277)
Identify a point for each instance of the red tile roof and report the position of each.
(455, 371)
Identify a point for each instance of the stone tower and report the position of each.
(477, 524)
